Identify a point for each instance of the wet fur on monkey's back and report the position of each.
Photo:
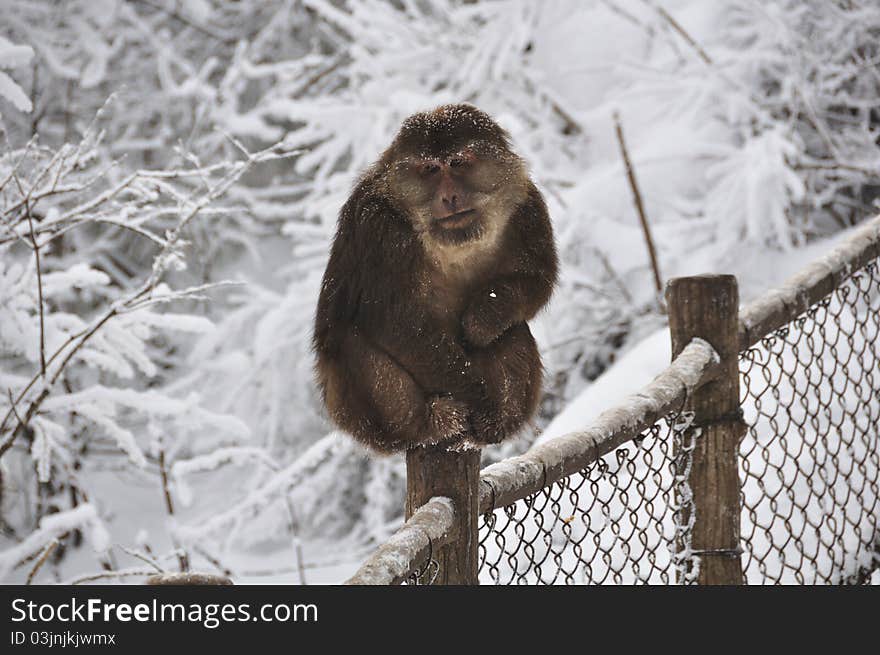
(394, 361)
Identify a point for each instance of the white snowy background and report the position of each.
(170, 175)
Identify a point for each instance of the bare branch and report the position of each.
(127, 573)
(47, 551)
(143, 557)
(681, 31)
(30, 221)
(182, 558)
(225, 570)
(640, 208)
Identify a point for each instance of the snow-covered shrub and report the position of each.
(86, 364)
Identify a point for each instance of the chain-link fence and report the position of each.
(810, 463)
(622, 519)
(619, 502)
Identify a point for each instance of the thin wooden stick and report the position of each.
(293, 525)
(142, 557)
(225, 570)
(683, 33)
(182, 558)
(640, 208)
(30, 221)
(47, 551)
(109, 574)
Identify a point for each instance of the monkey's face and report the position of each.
(459, 195)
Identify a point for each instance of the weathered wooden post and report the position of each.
(434, 471)
(707, 306)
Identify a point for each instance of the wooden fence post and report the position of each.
(434, 471)
(707, 306)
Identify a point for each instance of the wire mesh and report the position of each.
(810, 463)
(623, 519)
(426, 574)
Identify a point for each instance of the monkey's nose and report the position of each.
(451, 202)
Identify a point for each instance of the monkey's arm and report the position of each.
(515, 295)
(507, 301)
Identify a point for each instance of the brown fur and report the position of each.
(421, 332)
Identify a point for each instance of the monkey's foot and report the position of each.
(448, 418)
(488, 428)
(462, 446)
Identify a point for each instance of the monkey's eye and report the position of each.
(428, 168)
(461, 159)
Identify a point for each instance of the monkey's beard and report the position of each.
(479, 222)
(460, 228)
(452, 247)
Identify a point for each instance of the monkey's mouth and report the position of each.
(457, 220)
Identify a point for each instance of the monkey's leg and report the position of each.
(379, 403)
(512, 369)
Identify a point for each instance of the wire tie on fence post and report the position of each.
(719, 552)
(736, 416)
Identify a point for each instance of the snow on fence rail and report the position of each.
(753, 457)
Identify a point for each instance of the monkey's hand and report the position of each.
(449, 419)
(506, 301)
(485, 319)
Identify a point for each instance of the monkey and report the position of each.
(442, 253)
